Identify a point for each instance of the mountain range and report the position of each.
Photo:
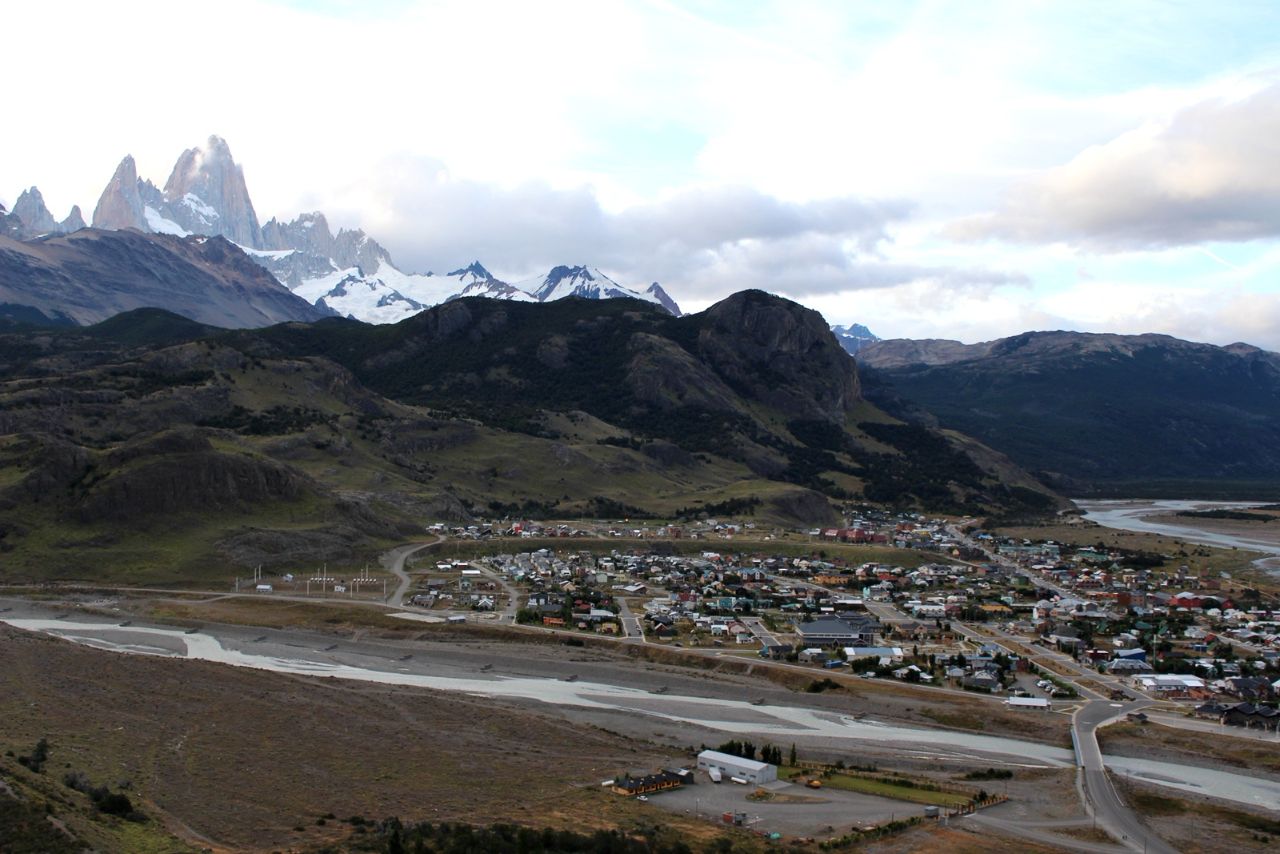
(1125, 415)
(349, 272)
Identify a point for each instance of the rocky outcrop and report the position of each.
(202, 481)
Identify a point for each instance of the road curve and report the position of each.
(393, 562)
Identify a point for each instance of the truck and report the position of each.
(714, 774)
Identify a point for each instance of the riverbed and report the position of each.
(724, 715)
(1159, 517)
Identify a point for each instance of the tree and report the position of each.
(793, 755)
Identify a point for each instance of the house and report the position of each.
(659, 782)
(891, 653)
(1249, 715)
(982, 681)
(1128, 667)
(1170, 684)
(1250, 688)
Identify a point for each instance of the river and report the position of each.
(735, 716)
(1155, 517)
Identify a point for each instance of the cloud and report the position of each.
(701, 243)
(1206, 174)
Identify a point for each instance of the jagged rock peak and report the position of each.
(663, 298)
(854, 337)
(120, 205)
(561, 272)
(74, 220)
(475, 269)
(31, 209)
(206, 194)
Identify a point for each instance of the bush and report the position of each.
(35, 761)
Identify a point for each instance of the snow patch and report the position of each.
(199, 207)
(160, 225)
(274, 254)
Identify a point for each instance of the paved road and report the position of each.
(393, 562)
(513, 595)
(758, 630)
(632, 629)
(1112, 814)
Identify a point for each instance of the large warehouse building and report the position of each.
(736, 766)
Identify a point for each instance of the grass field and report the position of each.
(882, 787)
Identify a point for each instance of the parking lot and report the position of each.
(793, 811)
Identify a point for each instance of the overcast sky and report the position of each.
(931, 169)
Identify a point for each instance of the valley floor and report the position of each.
(243, 759)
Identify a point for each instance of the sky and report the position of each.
(930, 169)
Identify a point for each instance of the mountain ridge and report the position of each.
(1089, 409)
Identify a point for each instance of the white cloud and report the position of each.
(1208, 173)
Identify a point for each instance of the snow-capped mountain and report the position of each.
(348, 272)
(590, 283)
(854, 337)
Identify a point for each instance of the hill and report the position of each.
(173, 451)
(1097, 414)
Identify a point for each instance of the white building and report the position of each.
(1170, 683)
(1037, 703)
(736, 766)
